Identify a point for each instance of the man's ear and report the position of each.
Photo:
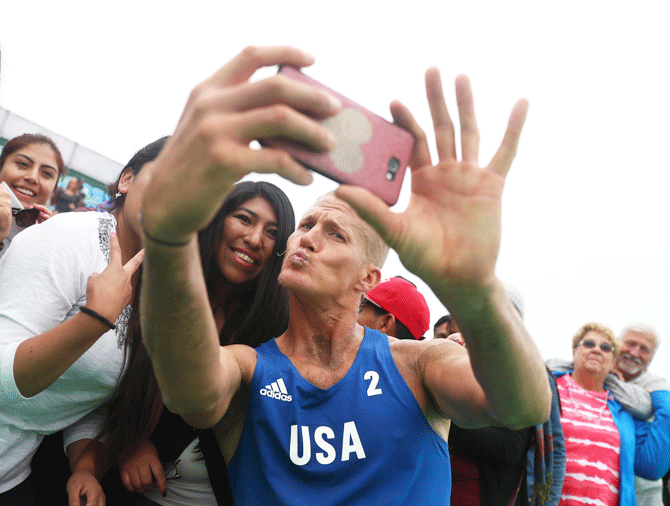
(387, 325)
(372, 276)
(125, 181)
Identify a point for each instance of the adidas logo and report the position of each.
(277, 390)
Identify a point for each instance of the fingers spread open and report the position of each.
(502, 160)
(466, 112)
(444, 127)
(402, 117)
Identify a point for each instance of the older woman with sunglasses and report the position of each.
(605, 446)
(30, 166)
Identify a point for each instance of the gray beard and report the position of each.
(630, 368)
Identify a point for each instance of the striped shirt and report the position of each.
(592, 447)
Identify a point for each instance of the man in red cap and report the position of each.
(396, 308)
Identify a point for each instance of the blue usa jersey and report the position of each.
(364, 441)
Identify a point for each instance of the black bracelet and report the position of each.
(162, 242)
(97, 316)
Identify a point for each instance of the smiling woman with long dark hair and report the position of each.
(241, 255)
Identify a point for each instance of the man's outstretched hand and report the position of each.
(450, 231)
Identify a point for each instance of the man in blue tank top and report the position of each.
(331, 413)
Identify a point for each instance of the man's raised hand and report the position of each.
(450, 231)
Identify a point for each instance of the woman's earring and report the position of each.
(117, 194)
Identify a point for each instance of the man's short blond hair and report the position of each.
(601, 329)
(375, 249)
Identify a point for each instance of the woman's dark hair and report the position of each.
(24, 140)
(145, 155)
(252, 317)
(261, 314)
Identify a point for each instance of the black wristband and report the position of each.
(97, 316)
(162, 242)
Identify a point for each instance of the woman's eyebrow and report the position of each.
(21, 155)
(255, 215)
(45, 165)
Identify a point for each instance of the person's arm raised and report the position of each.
(209, 150)
(449, 235)
(190, 179)
(40, 360)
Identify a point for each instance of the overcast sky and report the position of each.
(585, 208)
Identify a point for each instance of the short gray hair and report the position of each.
(642, 328)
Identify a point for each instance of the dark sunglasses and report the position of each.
(589, 343)
(170, 469)
(25, 217)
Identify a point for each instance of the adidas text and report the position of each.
(277, 390)
(276, 395)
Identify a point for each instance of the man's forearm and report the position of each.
(178, 327)
(504, 358)
(634, 399)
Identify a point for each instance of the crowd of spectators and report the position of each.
(156, 352)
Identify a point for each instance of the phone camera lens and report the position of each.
(394, 165)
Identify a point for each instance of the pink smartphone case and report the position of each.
(367, 146)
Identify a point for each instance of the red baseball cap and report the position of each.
(401, 298)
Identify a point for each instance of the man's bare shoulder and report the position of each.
(412, 358)
(421, 352)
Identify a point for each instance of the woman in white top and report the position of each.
(62, 325)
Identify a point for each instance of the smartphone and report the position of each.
(371, 152)
(16, 203)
